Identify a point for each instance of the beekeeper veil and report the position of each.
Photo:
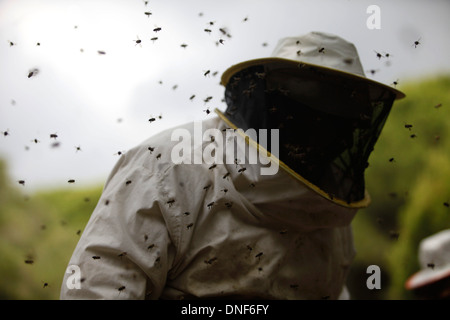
(329, 115)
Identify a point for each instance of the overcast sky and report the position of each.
(99, 104)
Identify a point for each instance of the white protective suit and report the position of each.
(179, 231)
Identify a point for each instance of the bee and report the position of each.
(151, 246)
(33, 72)
(45, 285)
(408, 126)
(229, 204)
(446, 204)
(158, 156)
(259, 255)
(391, 160)
(207, 111)
(138, 42)
(430, 265)
(11, 44)
(207, 72)
(187, 213)
(151, 149)
(212, 167)
(207, 30)
(157, 29)
(226, 175)
(128, 182)
(207, 99)
(101, 52)
(395, 83)
(29, 261)
(299, 52)
(53, 136)
(71, 181)
(96, 257)
(210, 261)
(148, 14)
(394, 234)
(210, 205)
(379, 55)
(106, 202)
(154, 39)
(192, 97)
(77, 148)
(413, 136)
(21, 182)
(221, 41)
(123, 254)
(170, 202)
(245, 19)
(322, 50)
(416, 43)
(189, 226)
(438, 105)
(78, 232)
(206, 187)
(242, 170)
(184, 45)
(151, 119)
(225, 190)
(120, 289)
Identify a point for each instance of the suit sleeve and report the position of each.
(126, 249)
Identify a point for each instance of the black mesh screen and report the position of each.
(327, 127)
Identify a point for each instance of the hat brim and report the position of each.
(338, 74)
(426, 277)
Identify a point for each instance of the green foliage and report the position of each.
(408, 193)
(43, 228)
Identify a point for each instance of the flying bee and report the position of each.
(184, 45)
(29, 261)
(207, 72)
(138, 42)
(210, 261)
(228, 204)
(120, 289)
(119, 153)
(430, 265)
(226, 175)
(207, 111)
(221, 41)
(71, 181)
(148, 14)
(5, 133)
(77, 148)
(123, 254)
(33, 72)
(53, 136)
(21, 182)
(395, 83)
(379, 55)
(189, 225)
(446, 204)
(438, 105)
(157, 29)
(35, 141)
(151, 149)
(245, 19)
(96, 257)
(170, 202)
(408, 126)
(242, 169)
(212, 166)
(210, 205)
(416, 43)
(192, 97)
(259, 255)
(151, 246)
(151, 119)
(11, 43)
(207, 30)
(128, 182)
(158, 156)
(101, 52)
(322, 50)
(154, 39)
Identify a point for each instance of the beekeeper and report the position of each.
(432, 281)
(169, 226)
